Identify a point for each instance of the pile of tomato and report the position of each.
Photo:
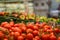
(29, 31)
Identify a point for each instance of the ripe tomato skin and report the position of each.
(37, 37)
(45, 36)
(5, 39)
(58, 38)
(29, 31)
(46, 26)
(16, 34)
(53, 37)
(29, 36)
(11, 23)
(35, 32)
(12, 33)
(24, 35)
(56, 30)
(16, 29)
(23, 29)
(1, 34)
(16, 25)
(3, 23)
(30, 25)
(7, 26)
(35, 28)
(20, 38)
(42, 25)
(37, 24)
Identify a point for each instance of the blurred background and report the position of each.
(48, 8)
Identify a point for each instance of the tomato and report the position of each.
(58, 38)
(23, 29)
(1, 34)
(45, 36)
(37, 37)
(3, 23)
(5, 39)
(37, 24)
(11, 23)
(46, 26)
(12, 33)
(7, 26)
(20, 38)
(24, 35)
(29, 36)
(30, 25)
(22, 24)
(16, 25)
(52, 37)
(2, 13)
(50, 30)
(35, 32)
(42, 24)
(35, 28)
(56, 30)
(16, 34)
(26, 39)
(29, 31)
(45, 29)
(16, 29)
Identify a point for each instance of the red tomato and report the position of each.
(3, 23)
(29, 36)
(26, 39)
(17, 25)
(30, 25)
(20, 38)
(1, 34)
(45, 29)
(37, 37)
(24, 35)
(11, 23)
(22, 24)
(58, 38)
(42, 25)
(2, 13)
(16, 34)
(45, 36)
(37, 24)
(5, 39)
(12, 33)
(46, 26)
(35, 28)
(50, 30)
(53, 37)
(35, 32)
(29, 31)
(16, 29)
(56, 30)
(7, 26)
(23, 29)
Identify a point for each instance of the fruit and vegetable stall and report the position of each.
(23, 26)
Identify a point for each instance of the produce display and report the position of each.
(29, 31)
(23, 26)
(26, 17)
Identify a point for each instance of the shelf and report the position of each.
(10, 1)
